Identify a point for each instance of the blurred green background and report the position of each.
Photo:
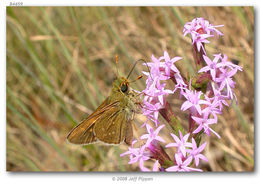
(61, 63)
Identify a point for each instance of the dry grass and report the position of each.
(60, 66)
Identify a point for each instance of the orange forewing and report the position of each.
(111, 126)
(83, 133)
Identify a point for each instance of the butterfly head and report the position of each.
(121, 84)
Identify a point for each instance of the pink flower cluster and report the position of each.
(200, 30)
(204, 107)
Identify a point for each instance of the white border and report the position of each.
(134, 3)
(84, 179)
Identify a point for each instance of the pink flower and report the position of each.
(225, 81)
(202, 26)
(204, 123)
(136, 154)
(155, 70)
(200, 30)
(195, 152)
(204, 106)
(151, 110)
(168, 65)
(228, 63)
(213, 108)
(212, 66)
(219, 97)
(181, 143)
(155, 92)
(152, 134)
(180, 84)
(182, 166)
(193, 101)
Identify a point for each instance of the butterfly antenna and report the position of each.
(133, 67)
(139, 77)
(147, 67)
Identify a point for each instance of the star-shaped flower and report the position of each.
(195, 152)
(213, 108)
(211, 66)
(181, 143)
(182, 166)
(153, 134)
(200, 29)
(168, 64)
(193, 101)
(204, 123)
(225, 80)
(136, 154)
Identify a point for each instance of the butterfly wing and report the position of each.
(111, 126)
(83, 132)
(129, 134)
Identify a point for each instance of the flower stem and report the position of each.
(158, 153)
(172, 120)
(198, 56)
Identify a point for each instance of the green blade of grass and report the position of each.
(31, 51)
(83, 45)
(32, 166)
(243, 121)
(108, 23)
(69, 59)
(36, 127)
(49, 90)
(177, 13)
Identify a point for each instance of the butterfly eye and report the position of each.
(124, 88)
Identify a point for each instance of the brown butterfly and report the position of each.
(111, 121)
